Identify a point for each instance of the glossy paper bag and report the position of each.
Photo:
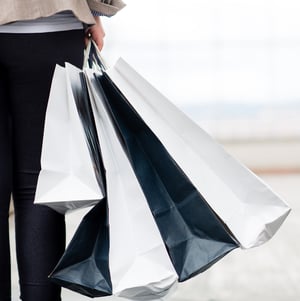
(246, 205)
(193, 234)
(68, 178)
(138, 262)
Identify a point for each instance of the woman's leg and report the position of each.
(5, 189)
(40, 232)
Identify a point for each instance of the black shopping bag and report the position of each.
(84, 267)
(193, 234)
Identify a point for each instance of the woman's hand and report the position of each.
(96, 33)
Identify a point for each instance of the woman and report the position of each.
(34, 37)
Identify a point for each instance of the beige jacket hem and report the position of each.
(16, 10)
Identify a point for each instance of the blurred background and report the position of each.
(231, 65)
(234, 67)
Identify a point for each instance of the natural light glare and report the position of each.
(217, 50)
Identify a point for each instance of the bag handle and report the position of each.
(92, 57)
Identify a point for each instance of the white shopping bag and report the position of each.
(67, 178)
(139, 264)
(250, 209)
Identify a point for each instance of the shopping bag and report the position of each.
(68, 179)
(194, 236)
(139, 265)
(84, 266)
(246, 205)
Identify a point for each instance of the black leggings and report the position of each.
(27, 62)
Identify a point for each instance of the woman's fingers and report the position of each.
(96, 33)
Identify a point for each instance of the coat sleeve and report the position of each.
(105, 7)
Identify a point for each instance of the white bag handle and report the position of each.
(99, 63)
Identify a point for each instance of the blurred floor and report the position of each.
(268, 273)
